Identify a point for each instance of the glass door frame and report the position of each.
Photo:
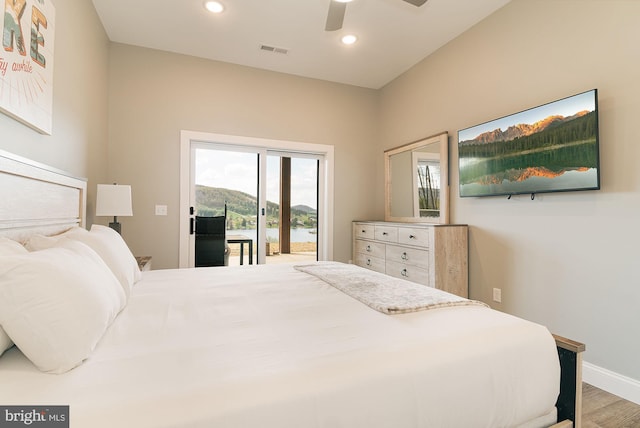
(189, 140)
(320, 177)
(261, 191)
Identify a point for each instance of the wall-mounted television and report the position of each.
(550, 148)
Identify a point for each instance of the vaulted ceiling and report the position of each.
(289, 36)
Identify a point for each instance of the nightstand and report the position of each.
(144, 262)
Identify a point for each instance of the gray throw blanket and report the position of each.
(382, 292)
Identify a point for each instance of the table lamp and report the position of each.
(114, 200)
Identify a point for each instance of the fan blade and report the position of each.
(416, 2)
(335, 16)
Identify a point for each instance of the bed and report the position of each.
(272, 345)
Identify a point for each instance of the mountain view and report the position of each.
(557, 153)
(241, 209)
(552, 132)
(523, 129)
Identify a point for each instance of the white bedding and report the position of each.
(272, 347)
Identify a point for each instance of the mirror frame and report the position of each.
(443, 139)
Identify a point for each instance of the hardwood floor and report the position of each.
(601, 409)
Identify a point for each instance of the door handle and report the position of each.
(191, 226)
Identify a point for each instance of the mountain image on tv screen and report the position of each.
(550, 148)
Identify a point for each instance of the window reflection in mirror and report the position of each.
(426, 198)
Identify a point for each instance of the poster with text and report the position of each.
(26, 62)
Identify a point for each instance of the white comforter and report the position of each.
(272, 347)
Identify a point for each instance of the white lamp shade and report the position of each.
(113, 200)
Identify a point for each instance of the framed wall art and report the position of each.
(26, 62)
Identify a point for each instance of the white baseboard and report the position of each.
(612, 382)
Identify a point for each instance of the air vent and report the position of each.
(274, 49)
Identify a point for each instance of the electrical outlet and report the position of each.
(161, 210)
(497, 295)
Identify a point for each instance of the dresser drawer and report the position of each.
(433, 255)
(369, 262)
(413, 236)
(364, 230)
(407, 256)
(408, 272)
(373, 249)
(386, 233)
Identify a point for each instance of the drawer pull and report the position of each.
(384, 233)
(368, 262)
(412, 236)
(364, 231)
(369, 248)
(404, 256)
(403, 272)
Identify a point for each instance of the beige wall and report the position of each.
(78, 143)
(154, 95)
(569, 260)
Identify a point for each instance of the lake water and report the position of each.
(297, 235)
(572, 167)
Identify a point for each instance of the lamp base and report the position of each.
(116, 226)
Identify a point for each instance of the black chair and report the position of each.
(211, 241)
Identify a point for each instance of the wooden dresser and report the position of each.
(430, 254)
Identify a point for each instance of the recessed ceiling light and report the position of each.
(214, 6)
(349, 39)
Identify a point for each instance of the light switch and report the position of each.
(161, 210)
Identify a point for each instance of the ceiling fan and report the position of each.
(337, 8)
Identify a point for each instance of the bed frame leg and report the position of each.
(569, 402)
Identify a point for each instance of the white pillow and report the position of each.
(115, 252)
(108, 244)
(56, 304)
(8, 247)
(41, 242)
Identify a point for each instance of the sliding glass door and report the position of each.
(227, 185)
(292, 207)
(275, 198)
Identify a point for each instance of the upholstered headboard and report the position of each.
(36, 198)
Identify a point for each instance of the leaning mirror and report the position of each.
(416, 181)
